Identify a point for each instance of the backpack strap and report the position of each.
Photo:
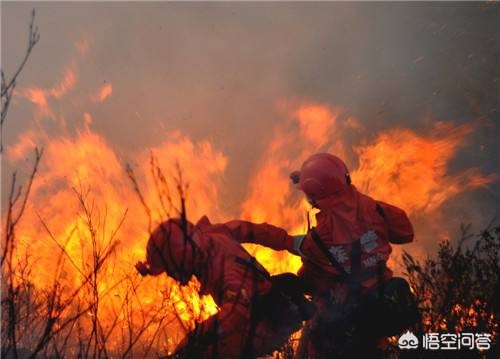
(252, 264)
(328, 254)
(356, 276)
(380, 210)
(356, 257)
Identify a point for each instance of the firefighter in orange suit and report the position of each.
(254, 319)
(356, 229)
(344, 262)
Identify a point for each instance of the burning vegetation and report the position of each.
(69, 288)
(74, 229)
(459, 288)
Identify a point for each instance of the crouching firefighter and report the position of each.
(258, 312)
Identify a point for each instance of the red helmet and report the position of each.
(322, 175)
(171, 249)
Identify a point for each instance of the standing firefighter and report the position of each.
(345, 260)
(344, 264)
(257, 312)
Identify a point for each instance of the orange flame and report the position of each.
(410, 170)
(104, 92)
(40, 96)
(84, 170)
(400, 166)
(271, 197)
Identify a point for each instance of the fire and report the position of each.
(85, 227)
(465, 319)
(403, 167)
(410, 169)
(271, 197)
(103, 93)
(40, 96)
(83, 207)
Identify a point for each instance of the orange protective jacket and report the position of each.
(346, 220)
(233, 284)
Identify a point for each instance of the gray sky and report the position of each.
(218, 70)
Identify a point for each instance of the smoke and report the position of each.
(220, 71)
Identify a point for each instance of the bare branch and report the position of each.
(8, 86)
(13, 219)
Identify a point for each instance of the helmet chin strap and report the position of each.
(348, 178)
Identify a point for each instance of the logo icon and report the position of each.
(408, 341)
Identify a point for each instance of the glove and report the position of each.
(297, 244)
